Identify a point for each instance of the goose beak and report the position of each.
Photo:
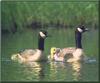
(86, 29)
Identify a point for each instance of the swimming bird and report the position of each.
(71, 54)
(54, 51)
(31, 54)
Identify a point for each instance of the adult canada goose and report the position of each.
(31, 54)
(74, 53)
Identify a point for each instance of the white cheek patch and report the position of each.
(42, 34)
(80, 30)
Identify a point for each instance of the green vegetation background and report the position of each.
(18, 15)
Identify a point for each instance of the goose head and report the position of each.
(81, 29)
(43, 34)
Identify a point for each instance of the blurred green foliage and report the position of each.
(39, 14)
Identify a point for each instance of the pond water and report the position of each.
(49, 71)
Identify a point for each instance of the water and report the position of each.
(49, 71)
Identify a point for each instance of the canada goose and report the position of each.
(74, 53)
(31, 54)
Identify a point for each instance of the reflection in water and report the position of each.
(76, 66)
(54, 69)
(68, 70)
(34, 71)
(57, 71)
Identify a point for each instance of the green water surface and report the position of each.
(48, 71)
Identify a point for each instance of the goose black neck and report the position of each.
(78, 37)
(41, 43)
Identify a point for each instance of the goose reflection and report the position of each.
(33, 71)
(76, 67)
(69, 70)
(56, 69)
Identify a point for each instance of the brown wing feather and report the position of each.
(67, 51)
(27, 53)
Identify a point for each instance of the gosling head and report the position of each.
(52, 52)
(43, 34)
(82, 28)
